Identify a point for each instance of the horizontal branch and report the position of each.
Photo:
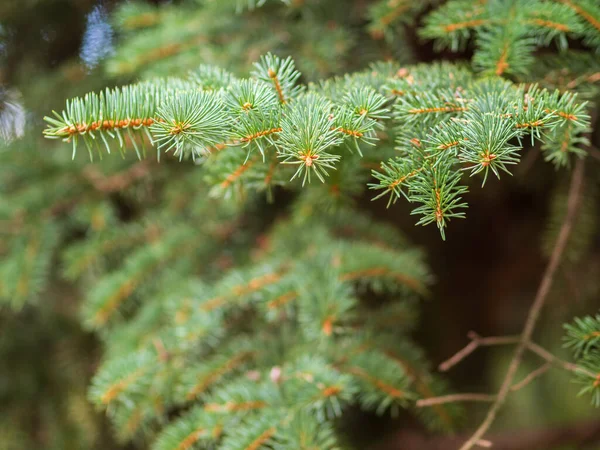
(106, 125)
(260, 134)
(437, 109)
(476, 342)
(455, 398)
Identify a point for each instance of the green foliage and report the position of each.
(478, 124)
(583, 337)
(262, 369)
(506, 33)
(169, 39)
(233, 323)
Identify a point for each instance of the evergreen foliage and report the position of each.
(583, 338)
(446, 121)
(227, 327)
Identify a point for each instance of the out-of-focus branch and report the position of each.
(476, 342)
(538, 303)
(532, 376)
(453, 398)
(523, 341)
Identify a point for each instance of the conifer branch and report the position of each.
(263, 342)
(440, 127)
(589, 17)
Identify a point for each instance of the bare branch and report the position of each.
(453, 398)
(538, 303)
(545, 354)
(476, 342)
(532, 376)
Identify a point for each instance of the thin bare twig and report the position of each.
(453, 398)
(532, 376)
(538, 303)
(476, 342)
(545, 354)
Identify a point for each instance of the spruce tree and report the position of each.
(244, 296)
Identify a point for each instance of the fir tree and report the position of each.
(226, 327)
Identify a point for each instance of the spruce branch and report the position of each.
(583, 337)
(589, 12)
(191, 120)
(281, 74)
(439, 192)
(109, 114)
(307, 135)
(453, 398)
(507, 33)
(439, 125)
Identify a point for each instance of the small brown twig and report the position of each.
(549, 357)
(476, 342)
(454, 398)
(532, 376)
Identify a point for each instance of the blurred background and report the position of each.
(486, 273)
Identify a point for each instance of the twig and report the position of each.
(453, 398)
(545, 354)
(538, 303)
(476, 342)
(532, 376)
